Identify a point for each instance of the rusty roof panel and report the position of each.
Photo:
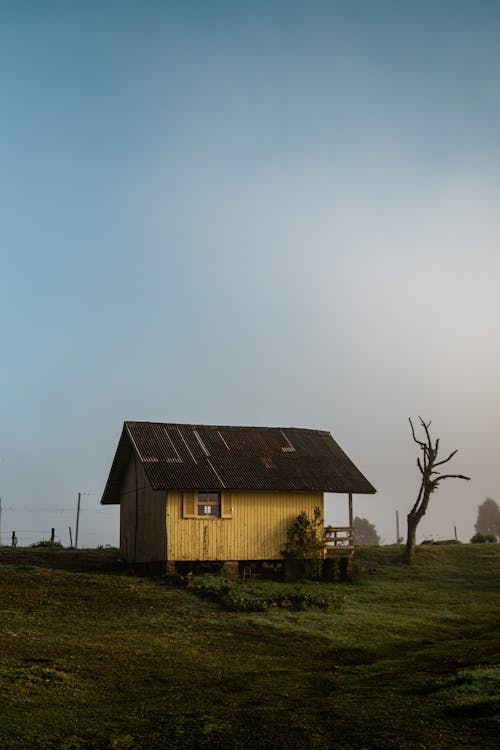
(203, 457)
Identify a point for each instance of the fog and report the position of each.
(279, 215)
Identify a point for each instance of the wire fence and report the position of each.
(23, 525)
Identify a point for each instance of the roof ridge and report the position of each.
(226, 426)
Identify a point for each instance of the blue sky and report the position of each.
(280, 213)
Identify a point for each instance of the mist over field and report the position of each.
(277, 214)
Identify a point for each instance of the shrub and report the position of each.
(47, 543)
(306, 537)
(479, 538)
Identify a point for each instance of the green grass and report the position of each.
(92, 658)
(259, 596)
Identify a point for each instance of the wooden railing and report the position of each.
(339, 540)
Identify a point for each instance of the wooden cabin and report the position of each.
(228, 494)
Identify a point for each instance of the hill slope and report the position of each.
(95, 659)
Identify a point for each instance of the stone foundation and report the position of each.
(232, 569)
(170, 567)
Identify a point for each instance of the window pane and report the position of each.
(209, 498)
(209, 504)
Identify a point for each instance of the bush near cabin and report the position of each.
(306, 537)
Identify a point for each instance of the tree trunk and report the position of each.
(430, 481)
(411, 538)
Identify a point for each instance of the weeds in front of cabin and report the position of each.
(250, 596)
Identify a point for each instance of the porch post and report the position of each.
(350, 510)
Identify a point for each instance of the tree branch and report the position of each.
(413, 433)
(444, 461)
(426, 426)
(452, 476)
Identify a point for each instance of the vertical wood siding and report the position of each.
(256, 531)
(146, 540)
(127, 514)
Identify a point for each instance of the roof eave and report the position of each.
(111, 494)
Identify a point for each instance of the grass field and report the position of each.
(94, 658)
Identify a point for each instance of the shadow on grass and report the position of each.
(105, 560)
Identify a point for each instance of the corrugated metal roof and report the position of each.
(202, 457)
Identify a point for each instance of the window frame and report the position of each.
(199, 501)
(190, 503)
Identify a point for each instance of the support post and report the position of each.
(397, 528)
(70, 537)
(52, 535)
(231, 568)
(346, 568)
(170, 567)
(351, 522)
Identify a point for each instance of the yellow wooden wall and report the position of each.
(256, 531)
(147, 542)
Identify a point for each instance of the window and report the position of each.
(208, 504)
(197, 504)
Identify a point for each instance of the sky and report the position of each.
(258, 213)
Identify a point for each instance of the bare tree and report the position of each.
(427, 463)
